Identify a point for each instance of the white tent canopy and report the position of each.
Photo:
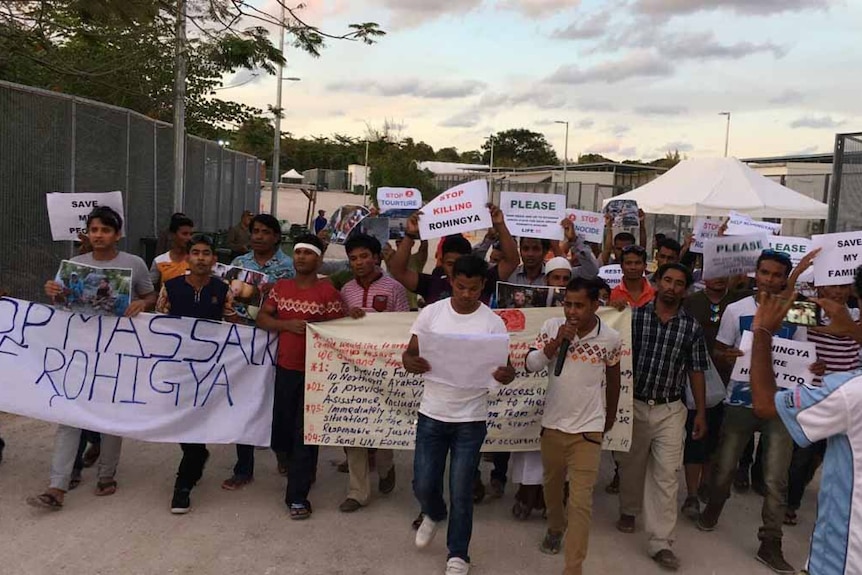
(715, 186)
(291, 175)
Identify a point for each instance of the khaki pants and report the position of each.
(577, 456)
(650, 470)
(360, 482)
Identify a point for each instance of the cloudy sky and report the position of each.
(634, 78)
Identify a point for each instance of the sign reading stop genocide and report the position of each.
(589, 225)
(398, 198)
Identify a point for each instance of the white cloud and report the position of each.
(619, 130)
(411, 13)
(789, 96)
(756, 7)
(588, 28)
(411, 87)
(538, 8)
(595, 106)
(704, 46)
(678, 146)
(634, 65)
(821, 122)
(661, 110)
(585, 124)
(466, 119)
(607, 147)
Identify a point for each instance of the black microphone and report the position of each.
(561, 358)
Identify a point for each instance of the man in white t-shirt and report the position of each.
(577, 413)
(452, 415)
(812, 414)
(740, 423)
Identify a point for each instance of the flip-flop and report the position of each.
(45, 501)
(105, 488)
(299, 511)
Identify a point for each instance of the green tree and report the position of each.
(471, 157)
(395, 167)
(593, 159)
(448, 155)
(520, 148)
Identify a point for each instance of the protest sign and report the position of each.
(376, 228)
(534, 215)
(839, 258)
(703, 230)
(732, 255)
(247, 287)
(398, 198)
(68, 213)
(742, 225)
(94, 291)
(462, 208)
(519, 296)
(342, 222)
(589, 225)
(357, 392)
(791, 361)
(612, 274)
(625, 213)
(796, 248)
(152, 377)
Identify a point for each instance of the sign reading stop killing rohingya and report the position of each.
(462, 208)
(68, 213)
(398, 198)
(534, 215)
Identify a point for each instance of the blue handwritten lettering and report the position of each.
(46, 372)
(226, 384)
(99, 375)
(28, 323)
(174, 385)
(86, 359)
(238, 343)
(119, 330)
(194, 337)
(179, 340)
(199, 380)
(134, 383)
(86, 336)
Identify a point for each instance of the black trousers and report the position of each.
(288, 435)
(191, 469)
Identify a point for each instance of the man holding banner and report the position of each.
(290, 305)
(454, 406)
(104, 230)
(197, 294)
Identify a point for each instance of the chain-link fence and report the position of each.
(52, 142)
(845, 199)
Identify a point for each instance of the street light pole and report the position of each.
(276, 144)
(365, 193)
(565, 158)
(181, 62)
(726, 131)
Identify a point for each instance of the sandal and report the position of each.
(236, 482)
(75, 481)
(790, 518)
(521, 511)
(105, 488)
(45, 501)
(299, 511)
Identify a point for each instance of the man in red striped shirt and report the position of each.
(370, 290)
(839, 353)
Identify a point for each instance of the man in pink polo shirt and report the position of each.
(370, 291)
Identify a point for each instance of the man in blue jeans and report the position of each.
(452, 415)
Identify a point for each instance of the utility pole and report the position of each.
(276, 144)
(365, 194)
(565, 158)
(726, 131)
(180, 64)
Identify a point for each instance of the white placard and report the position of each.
(796, 248)
(451, 366)
(68, 212)
(839, 258)
(612, 274)
(742, 225)
(703, 230)
(398, 198)
(152, 377)
(732, 255)
(534, 215)
(791, 361)
(462, 208)
(589, 225)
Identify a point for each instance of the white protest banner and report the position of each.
(732, 255)
(791, 361)
(358, 394)
(451, 366)
(534, 215)
(742, 225)
(796, 248)
(152, 377)
(612, 274)
(462, 208)
(589, 225)
(703, 230)
(68, 213)
(398, 199)
(839, 258)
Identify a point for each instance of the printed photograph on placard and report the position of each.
(514, 296)
(342, 222)
(624, 213)
(247, 286)
(90, 290)
(376, 227)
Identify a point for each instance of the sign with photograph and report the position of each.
(89, 290)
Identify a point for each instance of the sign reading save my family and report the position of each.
(534, 215)
(732, 255)
(839, 258)
(462, 208)
(398, 199)
(152, 377)
(589, 225)
(68, 212)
